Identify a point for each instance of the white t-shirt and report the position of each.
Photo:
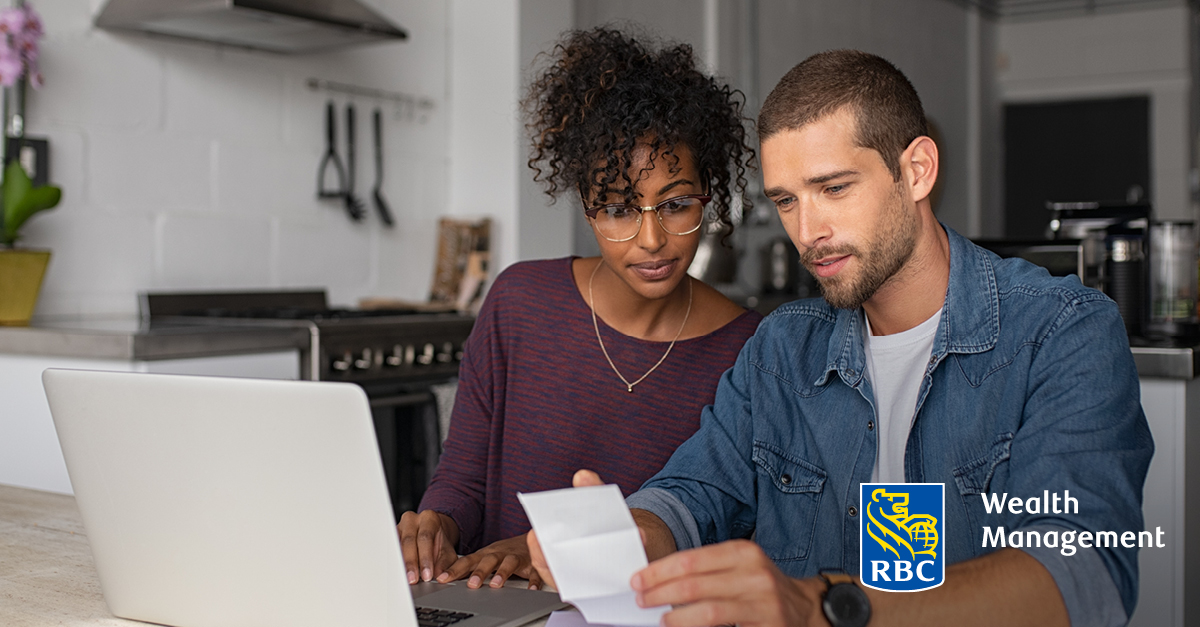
(895, 366)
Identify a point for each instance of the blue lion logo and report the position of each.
(889, 524)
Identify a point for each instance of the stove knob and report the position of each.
(396, 358)
(458, 354)
(365, 362)
(447, 353)
(410, 354)
(343, 364)
(427, 355)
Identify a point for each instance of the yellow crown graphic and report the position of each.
(896, 531)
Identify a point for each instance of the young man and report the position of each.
(929, 360)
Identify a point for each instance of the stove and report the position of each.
(397, 356)
(367, 346)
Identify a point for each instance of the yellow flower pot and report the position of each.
(21, 273)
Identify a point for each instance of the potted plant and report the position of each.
(21, 270)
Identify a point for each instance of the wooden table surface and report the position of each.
(46, 572)
(47, 576)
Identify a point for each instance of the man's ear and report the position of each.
(919, 167)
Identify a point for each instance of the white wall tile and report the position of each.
(211, 94)
(212, 251)
(187, 165)
(98, 81)
(100, 259)
(152, 172)
(330, 251)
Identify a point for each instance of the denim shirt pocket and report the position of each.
(789, 491)
(974, 478)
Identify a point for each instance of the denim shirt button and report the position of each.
(785, 479)
(870, 425)
(853, 511)
(933, 360)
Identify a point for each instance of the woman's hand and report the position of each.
(499, 561)
(427, 541)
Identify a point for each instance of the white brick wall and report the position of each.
(191, 166)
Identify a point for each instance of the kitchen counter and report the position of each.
(1182, 363)
(29, 452)
(1166, 363)
(127, 338)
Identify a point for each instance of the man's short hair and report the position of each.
(887, 108)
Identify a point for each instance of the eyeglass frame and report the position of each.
(703, 198)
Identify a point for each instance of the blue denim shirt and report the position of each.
(1031, 386)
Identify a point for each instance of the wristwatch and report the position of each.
(845, 604)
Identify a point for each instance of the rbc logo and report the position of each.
(901, 536)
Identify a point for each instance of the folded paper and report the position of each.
(593, 548)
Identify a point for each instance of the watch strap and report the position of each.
(833, 578)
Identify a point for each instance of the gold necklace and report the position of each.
(596, 325)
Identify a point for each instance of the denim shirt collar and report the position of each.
(970, 316)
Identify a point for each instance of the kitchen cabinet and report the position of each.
(29, 452)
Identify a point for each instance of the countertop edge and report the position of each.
(1165, 363)
(175, 344)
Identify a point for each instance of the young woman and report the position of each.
(601, 363)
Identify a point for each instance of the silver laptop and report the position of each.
(215, 502)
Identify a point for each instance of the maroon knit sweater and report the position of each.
(537, 401)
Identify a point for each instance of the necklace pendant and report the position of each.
(630, 389)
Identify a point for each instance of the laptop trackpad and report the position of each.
(500, 602)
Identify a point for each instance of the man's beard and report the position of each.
(886, 254)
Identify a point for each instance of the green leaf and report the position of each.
(22, 200)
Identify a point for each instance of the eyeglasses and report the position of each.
(621, 222)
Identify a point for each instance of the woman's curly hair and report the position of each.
(604, 94)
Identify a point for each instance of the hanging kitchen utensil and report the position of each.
(385, 213)
(354, 207)
(331, 159)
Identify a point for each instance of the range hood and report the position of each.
(287, 26)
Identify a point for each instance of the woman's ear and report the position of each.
(919, 167)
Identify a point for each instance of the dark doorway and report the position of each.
(1076, 150)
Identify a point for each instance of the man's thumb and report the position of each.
(584, 478)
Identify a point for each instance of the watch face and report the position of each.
(846, 605)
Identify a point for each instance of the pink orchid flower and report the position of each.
(11, 67)
(12, 21)
(33, 23)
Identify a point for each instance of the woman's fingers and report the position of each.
(505, 570)
(535, 579)
(459, 568)
(429, 541)
(486, 566)
(408, 544)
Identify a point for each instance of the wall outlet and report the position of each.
(34, 154)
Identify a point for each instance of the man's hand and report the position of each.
(582, 479)
(725, 584)
(427, 541)
(505, 558)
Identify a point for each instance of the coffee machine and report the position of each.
(1148, 267)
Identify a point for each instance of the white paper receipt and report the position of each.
(593, 548)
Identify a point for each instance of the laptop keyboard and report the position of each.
(429, 617)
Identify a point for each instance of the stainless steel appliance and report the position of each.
(1125, 271)
(395, 355)
(1059, 257)
(288, 26)
(782, 272)
(1173, 287)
